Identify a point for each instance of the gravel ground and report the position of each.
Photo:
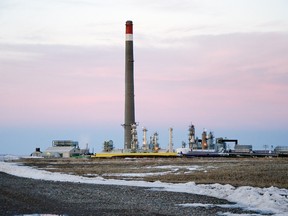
(19, 196)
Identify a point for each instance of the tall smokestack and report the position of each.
(129, 86)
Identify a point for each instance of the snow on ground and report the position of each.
(264, 200)
(169, 168)
(136, 174)
(174, 168)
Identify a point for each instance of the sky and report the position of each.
(220, 65)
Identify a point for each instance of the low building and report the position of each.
(281, 150)
(243, 148)
(37, 153)
(62, 148)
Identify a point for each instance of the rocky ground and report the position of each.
(21, 196)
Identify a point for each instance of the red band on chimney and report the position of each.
(129, 27)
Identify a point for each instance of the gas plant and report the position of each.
(204, 144)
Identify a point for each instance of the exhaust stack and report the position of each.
(129, 86)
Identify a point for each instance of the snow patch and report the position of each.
(135, 174)
(195, 205)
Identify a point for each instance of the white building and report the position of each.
(62, 148)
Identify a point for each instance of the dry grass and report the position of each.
(259, 172)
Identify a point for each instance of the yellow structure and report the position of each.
(114, 155)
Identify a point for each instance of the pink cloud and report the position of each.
(227, 80)
(238, 79)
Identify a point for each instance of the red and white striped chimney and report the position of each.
(129, 31)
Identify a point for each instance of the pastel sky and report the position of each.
(221, 65)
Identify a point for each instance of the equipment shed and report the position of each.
(65, 151)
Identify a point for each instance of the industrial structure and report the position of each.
(129, 90)
(145, 147)
(191, 138)
(62, 149)
(170, 145)
(207, 145)
(281, 150)
(37, 153)
(108, 146)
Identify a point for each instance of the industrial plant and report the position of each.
(206, 145)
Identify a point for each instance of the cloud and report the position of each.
(235, 79)
(59, 82)
(225, 80)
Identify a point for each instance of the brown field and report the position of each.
(257, 172)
